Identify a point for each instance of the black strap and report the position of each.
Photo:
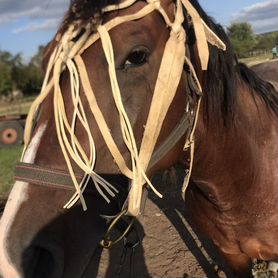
(131, 241)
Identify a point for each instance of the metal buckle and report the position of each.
(107, 242)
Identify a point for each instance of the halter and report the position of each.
(67, 55)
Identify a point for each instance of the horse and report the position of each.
(267, 71)
(231, 137)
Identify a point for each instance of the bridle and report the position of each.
(61, 180)
(67, 55)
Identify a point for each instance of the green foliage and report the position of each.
(5, 79)
(15, 75)
(35, 72)
(247, 44)
(242, 38)
(8, 159)
(266, 41)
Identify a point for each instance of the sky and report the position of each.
(26, 24)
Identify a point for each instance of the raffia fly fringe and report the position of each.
(67, 55)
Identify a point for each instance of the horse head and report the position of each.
(119, 102)
(115, 96)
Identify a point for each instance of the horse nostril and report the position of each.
(39, 261)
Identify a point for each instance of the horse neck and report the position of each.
(229, 160)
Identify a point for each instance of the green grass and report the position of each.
(8, 158)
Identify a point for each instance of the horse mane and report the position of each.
(222, 79)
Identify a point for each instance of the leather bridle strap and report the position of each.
(60, 179)
(44, 176)
(185, 125)
(47, 177)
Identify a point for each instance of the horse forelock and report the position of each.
(78, 11)
(85, 9)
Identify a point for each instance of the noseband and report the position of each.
(67, 55)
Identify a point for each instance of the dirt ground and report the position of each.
(170, 247)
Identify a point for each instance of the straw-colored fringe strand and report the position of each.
(67, 55)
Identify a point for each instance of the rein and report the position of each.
(67, 55)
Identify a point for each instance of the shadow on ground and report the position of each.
(193, 254)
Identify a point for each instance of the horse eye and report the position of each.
(137, 57)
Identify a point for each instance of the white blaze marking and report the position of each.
(17, 196)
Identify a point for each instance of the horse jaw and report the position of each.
(17, 197)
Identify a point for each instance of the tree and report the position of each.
(18, 72)
(6, 57)
(34, 72)
(12, 72)
(5, 79)
(242, 38)
(16, 75)
(266, 41)
(36, 60)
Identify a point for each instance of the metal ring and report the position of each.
(106, 242)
